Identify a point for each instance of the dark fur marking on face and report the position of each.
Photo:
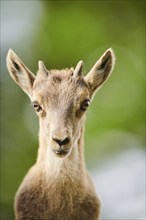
(57, 79)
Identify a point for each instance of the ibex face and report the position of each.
(61, 98)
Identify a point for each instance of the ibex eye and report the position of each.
(85, 105)
(36, 106)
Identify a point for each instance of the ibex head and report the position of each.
(61, 97)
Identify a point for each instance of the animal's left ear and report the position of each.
(100, 71)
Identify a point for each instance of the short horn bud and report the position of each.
(42, 67)
(78, 69)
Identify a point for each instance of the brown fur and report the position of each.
(58, 187)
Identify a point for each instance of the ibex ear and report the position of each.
(100, 71)
(20, 73)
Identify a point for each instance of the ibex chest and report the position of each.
(56, 201)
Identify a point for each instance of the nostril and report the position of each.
(61, 142)
(65, 141)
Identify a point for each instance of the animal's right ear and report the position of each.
(20, 73)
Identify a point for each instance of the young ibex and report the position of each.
(58, 186)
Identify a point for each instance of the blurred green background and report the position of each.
(61, 33)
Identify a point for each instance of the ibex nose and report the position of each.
(61, 142)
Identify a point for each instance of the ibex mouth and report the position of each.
(61, 152)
